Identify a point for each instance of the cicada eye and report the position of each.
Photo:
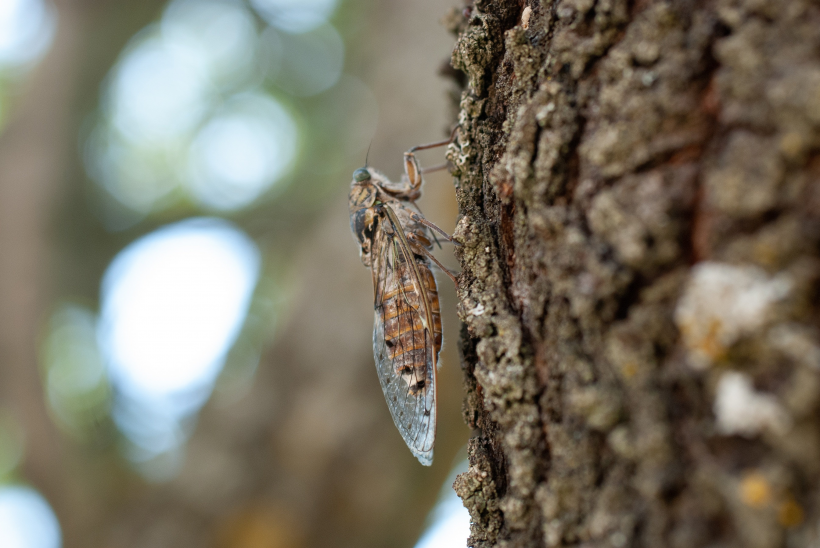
(361, 175)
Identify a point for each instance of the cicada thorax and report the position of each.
(363, 216)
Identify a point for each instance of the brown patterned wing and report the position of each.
(403, 347)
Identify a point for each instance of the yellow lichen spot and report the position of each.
(755, 490)
(790, 513)
(629, 369)
(766, 253)
(711, 344)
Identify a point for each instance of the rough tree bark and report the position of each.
(639, 208)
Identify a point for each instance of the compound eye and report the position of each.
(361, 175)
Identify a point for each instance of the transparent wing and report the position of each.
(402, 345)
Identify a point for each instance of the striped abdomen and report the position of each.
(404, 318)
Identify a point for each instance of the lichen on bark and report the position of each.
(637, 184)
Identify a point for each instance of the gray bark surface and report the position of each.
(637, 183)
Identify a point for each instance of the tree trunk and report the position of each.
(639, 203)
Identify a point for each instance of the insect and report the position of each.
(395, 243)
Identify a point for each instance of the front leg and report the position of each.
(412, 178)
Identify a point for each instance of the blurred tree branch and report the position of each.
(40, 172)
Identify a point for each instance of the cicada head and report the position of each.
(363, 194)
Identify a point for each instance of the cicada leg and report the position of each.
(419, 219)
(442, 267)
(412, 237)
(431, 169)
(412, 171)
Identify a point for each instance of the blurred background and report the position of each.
(185, 324)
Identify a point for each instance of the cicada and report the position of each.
(396, 245)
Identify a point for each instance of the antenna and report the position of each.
(368, 153)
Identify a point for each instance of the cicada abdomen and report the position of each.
(405, 333)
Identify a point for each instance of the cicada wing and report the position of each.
(406, 364)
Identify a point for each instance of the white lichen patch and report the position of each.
(741, 410)
(722, 303)
(525, 17)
